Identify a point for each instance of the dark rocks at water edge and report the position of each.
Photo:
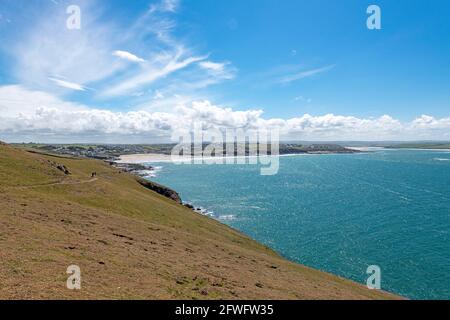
(188, 205)
(198, 210)
(162, 190)
(141, 171)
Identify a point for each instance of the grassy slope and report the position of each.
(131, 242)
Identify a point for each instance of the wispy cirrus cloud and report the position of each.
(127, 56)
(210, 65)
(152, 72)
(68, 84)
(43, 47)
(304, 74)
(165, 6)
(94, 56)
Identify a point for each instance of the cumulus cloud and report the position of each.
(25, 111)
(37, 114)
(428, 122)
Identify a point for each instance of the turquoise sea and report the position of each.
(339, 213)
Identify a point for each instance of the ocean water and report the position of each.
(339, 213)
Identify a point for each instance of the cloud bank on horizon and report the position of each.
(136, 79)
(58, 120)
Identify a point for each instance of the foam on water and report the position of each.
(227, 217)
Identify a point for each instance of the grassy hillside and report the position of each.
(130, 242)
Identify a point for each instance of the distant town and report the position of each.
(112, 152)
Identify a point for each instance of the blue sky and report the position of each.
(402, 70)
(136, 69)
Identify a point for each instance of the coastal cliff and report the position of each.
(131, 242)
(165, 191)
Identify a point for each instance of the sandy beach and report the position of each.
(155, 157)
(148, 157)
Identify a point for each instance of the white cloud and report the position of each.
(428, 122)
(304, 74)
(68, 84)
(23, 111)
(42, 48)
(216, 116)
(165, 6)
(302, 98)
(128, 56)
(45, 48)
(339, 127)
(38, 114)
(158, 95)
(194, 80)
(209, 65)
(16, 100)
(160, 67)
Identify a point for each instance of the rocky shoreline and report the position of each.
(141, 172)
(162, 190)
